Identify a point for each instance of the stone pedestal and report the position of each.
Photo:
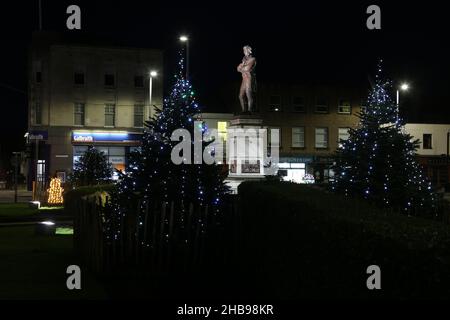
(246, 149)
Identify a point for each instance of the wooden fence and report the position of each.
(162, 238)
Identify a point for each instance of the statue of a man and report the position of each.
(248, 86)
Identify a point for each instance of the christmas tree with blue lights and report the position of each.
(378, 161)
(152, 178)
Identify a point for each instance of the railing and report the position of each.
(167, 237)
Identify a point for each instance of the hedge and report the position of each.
(300, 241)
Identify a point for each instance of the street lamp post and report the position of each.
(185, 39)
(403, 87)
(16, 168)
(150, 91)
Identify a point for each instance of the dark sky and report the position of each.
(301, 41)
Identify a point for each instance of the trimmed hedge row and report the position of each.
(300, 241)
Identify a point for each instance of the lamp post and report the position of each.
(185, 39)
(16, 168)
(403, 87)
(150, 90)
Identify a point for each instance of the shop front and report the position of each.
(294, 169)
(322, 169)
(116, 146)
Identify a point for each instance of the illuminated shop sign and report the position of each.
(38, 135)
(296, 159)
(91, 137)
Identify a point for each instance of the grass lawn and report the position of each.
(17, 210)
(21, 212)
(34, 267)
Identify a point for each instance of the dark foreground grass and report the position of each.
(34, 267)
(302, 242)
(20, 212)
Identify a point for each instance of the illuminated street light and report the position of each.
(153, 74)
(403, 87)
(185, 39)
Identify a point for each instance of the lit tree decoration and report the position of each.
(55, 192)
(151, 175)
(378, 163)
(91, 169)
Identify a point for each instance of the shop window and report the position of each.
(41, 171)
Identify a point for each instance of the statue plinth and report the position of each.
(246, 120)
(246, 150)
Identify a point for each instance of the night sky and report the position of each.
(306, 42)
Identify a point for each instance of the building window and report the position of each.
(38, 77)
(78, 79)
(273, 131)
(37, 72)
(363, 105)
(61, 175)
(343, 134)
(298, 104)
(275, 103)
(40, 177)
(110, 115)
(222, 130)
(321, 138)
(139, 82)
(298, 137)
(321, 105)
(37, 113)
(110, 80)
(79, 114)
(427, 141)
(139, 116)
(344, 107)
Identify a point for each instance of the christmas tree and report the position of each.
(378, 162)
(91, 169)
(55, 192)
(153, 178)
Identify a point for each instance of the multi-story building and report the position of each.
(81, 95)
(433, 151)
(311, 120)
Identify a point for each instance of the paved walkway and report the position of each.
(30, 223)
(7, 196)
